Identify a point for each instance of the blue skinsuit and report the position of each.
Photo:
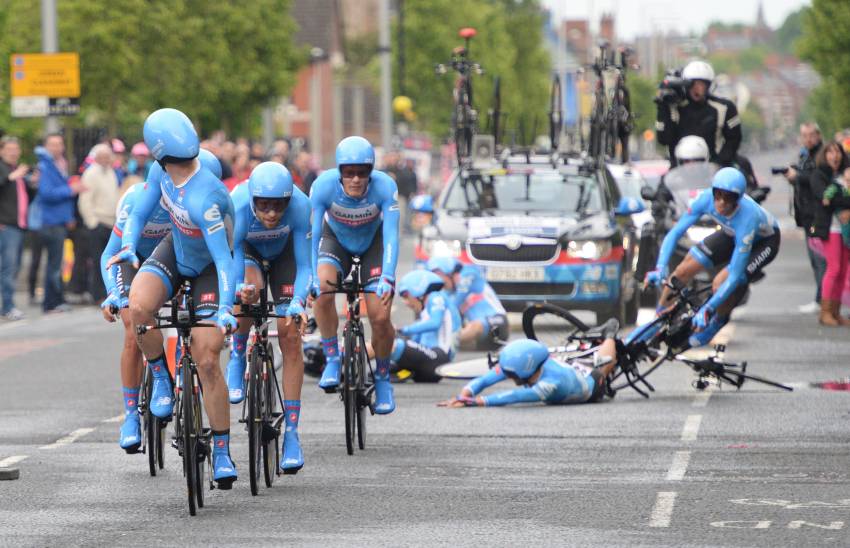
(202, 219)
(474, 297)
(558, 383)
(270, 243)
(355, 221)
(437, 327)
(748, 224)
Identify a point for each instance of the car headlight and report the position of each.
(700, 233)
(442, 248)
(588, 249)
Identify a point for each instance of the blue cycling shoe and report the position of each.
(384, 400)
(330, 376)
(162, 397)
(130, 438)
(292, 459)
(704, 337)
(236, 378)
(224, 471)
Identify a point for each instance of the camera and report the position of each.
(782, 170)
(672, 89)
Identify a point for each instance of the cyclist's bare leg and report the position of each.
(685, 272)
(383, 331)
(471, 332)
(206, 348)
(729, 304)
(608, 349)
(131, 355)
(292, 375)
(324, 307)
(147, 295)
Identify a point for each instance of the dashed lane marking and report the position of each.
(679, 466)
(70, 438)
(701, 398)
(691, 428)
(662, 512)
(116, 418)
(10, 461)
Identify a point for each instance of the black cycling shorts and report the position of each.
(719, 247)
(163, 263)
(422, 361)
(371, 262)
(282, 271)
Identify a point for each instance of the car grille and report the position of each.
(526, 253)
(538, 288)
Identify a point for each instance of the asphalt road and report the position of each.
(757, 467)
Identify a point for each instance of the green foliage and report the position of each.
(217, 61)
(739, 62)
(642, 91)
(509, 44)
(790, 30)
(753, 126)
(826, 43)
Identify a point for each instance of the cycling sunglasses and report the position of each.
(511, 375)
(725, 195)
(270, 204)
(349, 172)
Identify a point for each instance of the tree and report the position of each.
(790, 30)
(641, 92)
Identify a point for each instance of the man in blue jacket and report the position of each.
(56, 200)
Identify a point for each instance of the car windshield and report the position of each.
(630, 185)
(563, 193)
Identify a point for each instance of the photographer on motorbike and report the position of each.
(690, 149)
(686, 107)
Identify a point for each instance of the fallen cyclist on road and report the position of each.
(541, 377)
(748, 240)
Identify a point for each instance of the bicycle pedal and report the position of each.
(269, 432)
(330, 390)
(290, 471)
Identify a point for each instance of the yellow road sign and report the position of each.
(50, 75)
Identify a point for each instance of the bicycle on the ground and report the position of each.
(263, 404)
(640, 352)
(191, 438)
(357, 387)
(464, 115)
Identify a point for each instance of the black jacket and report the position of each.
(716, 120)
(821, 178)
(8, 196)
(803, 198)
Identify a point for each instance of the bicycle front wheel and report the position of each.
(202, 449)
(255, 419)
(150, 423)
(270, 433)
(349, 392)
(187, 427)
(362, 398)
(550, 324)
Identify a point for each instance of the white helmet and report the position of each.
(692, 148)
(698, 70)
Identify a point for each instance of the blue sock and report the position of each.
(239, 343)
(159, 368)
(330, 347)
(221, 442)
(382, 368)
(131, 400)
(292, 412)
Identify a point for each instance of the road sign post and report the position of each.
(45, 84)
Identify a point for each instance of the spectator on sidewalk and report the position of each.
(97, 209)
(13, 220)
(304, 172)
(56, 200)
(800, 177)
(405, 179)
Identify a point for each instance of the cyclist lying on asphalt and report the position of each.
(747, 242)
(541, 377)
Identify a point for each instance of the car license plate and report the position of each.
(514, 274)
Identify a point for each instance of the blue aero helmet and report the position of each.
(520, 359)
(422, 203)
(270, 180)
(170, 136)
(419, 283)
(446, 265)
(354, 150)
(730, 179)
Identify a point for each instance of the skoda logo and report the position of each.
(513, 242)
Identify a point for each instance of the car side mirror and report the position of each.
(629, 206)
(647, 193)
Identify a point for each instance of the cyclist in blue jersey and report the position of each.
(197, 249)
(541, 378)
(272, 224)
(430, 341)
(748, 240)
(117, 280)
(484, 317)
(355, 212)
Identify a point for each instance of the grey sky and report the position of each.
(642, 16)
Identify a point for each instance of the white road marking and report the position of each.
(679, 466)
(116, 418)
(691, 428)
(9, 461)
(663, 509)
(70, 438)
(701, 398)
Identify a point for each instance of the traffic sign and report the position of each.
(45, 84)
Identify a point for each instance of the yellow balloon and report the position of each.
(402, 104)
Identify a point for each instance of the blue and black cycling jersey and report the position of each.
(474, 297)
(437, 327)
(749, 224)
(270, 242)
(559, 382)
(355, 221)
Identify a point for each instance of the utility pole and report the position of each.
(400, 40)
(386, 73)
(49, 44)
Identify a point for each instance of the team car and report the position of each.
(542, 228)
